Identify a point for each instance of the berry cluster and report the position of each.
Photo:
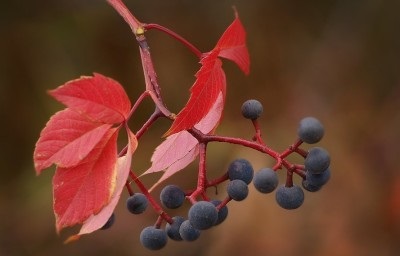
(206, 213)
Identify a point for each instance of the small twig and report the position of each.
(157, 208)
(171, 33)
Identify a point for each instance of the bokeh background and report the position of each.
(337, 60)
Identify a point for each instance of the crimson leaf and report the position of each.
(99, 98)
(96, 221)
(67, 138)
(180, 149)
(210, 79)
(83, 190)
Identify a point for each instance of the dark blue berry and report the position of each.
(265, 180)
(237, 190)
(173, 229)
(153, 238)
(252, 109)
(222, 213)
(137, 203)
(289, 197)
(310, 130)
(317, 160)
(241, 169)
(313, 182)
(172, 196)
(188, 232)
(203, 215)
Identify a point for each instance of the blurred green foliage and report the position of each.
(336, 60)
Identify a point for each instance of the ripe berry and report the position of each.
(241, 169)
(310, 130)
(252, 109)
(172, 196)
(237, 190)
(203, 215)
(265, 180)
(222, 213)
(136, 203)
(173, 229)
(188, 232)
(153, 238)
(313, 182)
(309, 187)
(317, 160)
(109, 222)
(289, 197)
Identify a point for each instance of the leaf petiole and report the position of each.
(174, 35)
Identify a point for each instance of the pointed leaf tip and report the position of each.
(100, 98)
(67, 138)
(204, 92)
(232, 45)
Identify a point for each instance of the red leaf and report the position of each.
(211, 78)
(232, 45)
(83, 190)
(100, 98)
(67, 138)
(171, 151)
(209, 83)
(96, 221)
(180, 149)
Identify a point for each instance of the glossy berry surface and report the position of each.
(265, 180)
(241, 169)
(252, 109)
(310, 130)
(289, 197)
(153, 238)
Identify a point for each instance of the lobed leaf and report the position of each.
(122, 169)
(209, 83)
(83, 190)
(67, 138)
(210, 79)
(100, 98)
(232, 45)
(180, 149)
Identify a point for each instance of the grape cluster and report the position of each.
(202, 215)
(207, 213)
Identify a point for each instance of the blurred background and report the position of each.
(336, 60)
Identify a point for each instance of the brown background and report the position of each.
(336, 60)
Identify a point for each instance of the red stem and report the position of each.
(217, 181)
(205, 138)
(157, 208)
(128, 187)
(224, 202)
(257, 136)
(121, 8)
(202, 176)
(157, 114)
(137, 103)
(292, 148)
(171, 33)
